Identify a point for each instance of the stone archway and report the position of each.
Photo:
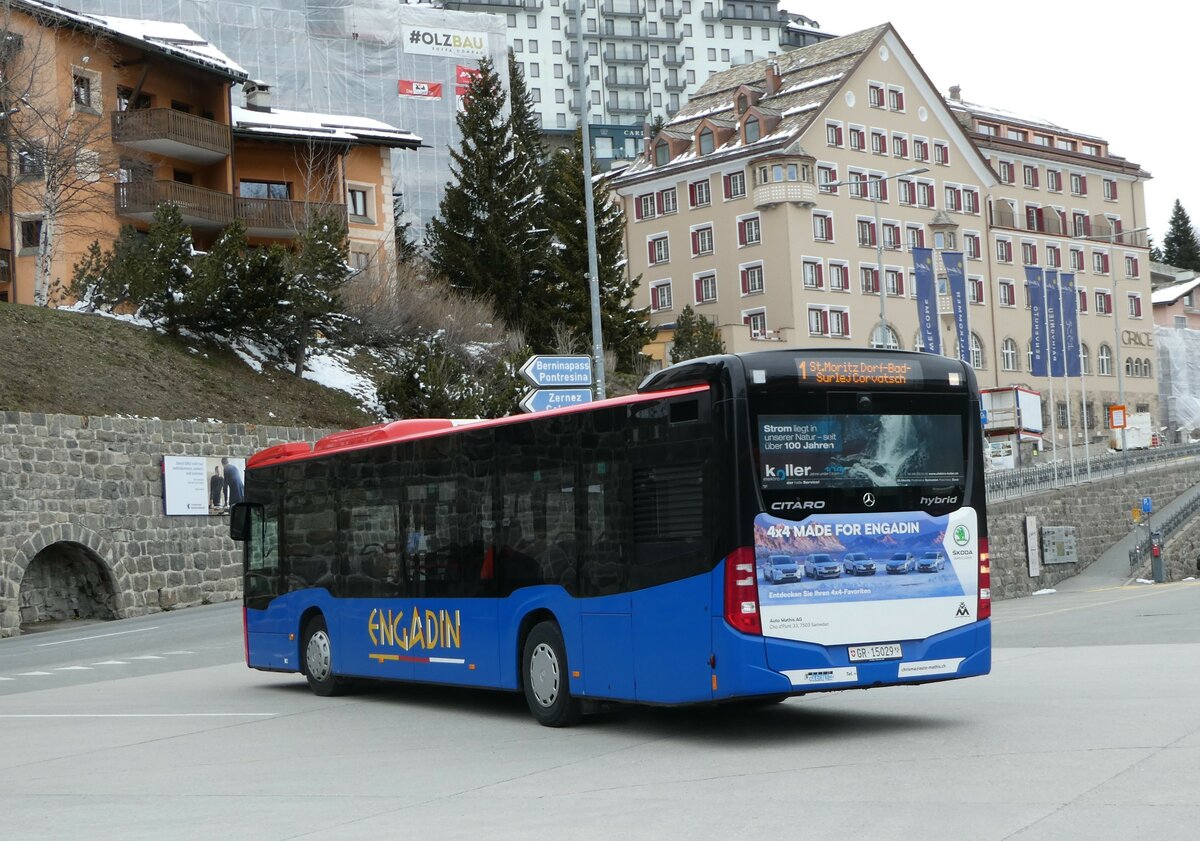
(69, 559)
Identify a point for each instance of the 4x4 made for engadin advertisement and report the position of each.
(861, 578)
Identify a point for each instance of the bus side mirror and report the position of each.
(239, 520)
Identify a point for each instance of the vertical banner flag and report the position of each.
(1054, 325)
(953, 261)
(1037, 330)
(1070, 304)
(927, 303)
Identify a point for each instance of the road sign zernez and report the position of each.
(543, 399)
(558, 371)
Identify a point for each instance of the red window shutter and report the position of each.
(1082, 301)
(899, 284)
(824, 322)
(699, 289)
(882, 190)
(741, 232)
(651, 257)
(653, 297)
(1114, 189)
(874, 235)
(1105, 256)
(820, 276)
(695, 243)
(692, 194)
(839, 135)
(1117, 225)
(900, 100)
(745, 282)
(745, 319)
(725, 180)
(1087, 226)
(658, 201)
(637, 208)
(1083, 185)
(1135, 267)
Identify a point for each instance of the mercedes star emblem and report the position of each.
(869, 500)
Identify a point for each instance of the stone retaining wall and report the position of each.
(98, 482)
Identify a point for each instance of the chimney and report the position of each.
(773, 80)
(258, 96)
(956, 93)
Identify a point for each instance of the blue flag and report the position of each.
(1054, 325)
(927, 303)
(1037, 332)
(953, 261)
(1071, 323)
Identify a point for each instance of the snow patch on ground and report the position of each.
(1045, 592)
(331, 369)
(1144, 581)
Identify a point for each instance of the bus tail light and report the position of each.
(741, 591)
(985, 581)
(246, 634)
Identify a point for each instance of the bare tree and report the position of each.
(57, 142)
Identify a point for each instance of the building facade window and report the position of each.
(1008, 355)
(1104, 362)
(706, 288)
(700, 193)
(822, 227)
(660, 296)
(752, 279)
(660, 250)
(749, 231)
(702, 241)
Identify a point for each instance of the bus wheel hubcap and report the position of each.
(543, 674)
(318, 656)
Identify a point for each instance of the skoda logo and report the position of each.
(869, 500)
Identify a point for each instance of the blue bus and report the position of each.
(628, 550)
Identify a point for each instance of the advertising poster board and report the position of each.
(202, 485)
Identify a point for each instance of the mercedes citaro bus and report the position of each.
(622, 551)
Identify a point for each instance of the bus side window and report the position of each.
(262, 557)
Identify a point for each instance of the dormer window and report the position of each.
(753, 130)
(743, 102)
(662, 153)
(706, 141)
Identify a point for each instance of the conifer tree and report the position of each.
(695, 336)
(484, 240)
(1180, 247)
(317, 271)
(624, 331)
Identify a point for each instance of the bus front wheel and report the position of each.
(546, 679)
(318, 659)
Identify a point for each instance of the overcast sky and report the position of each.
(1125, 72)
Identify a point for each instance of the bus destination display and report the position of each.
(859, 450)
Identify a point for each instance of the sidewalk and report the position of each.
(1111, 569)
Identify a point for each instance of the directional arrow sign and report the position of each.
(558, 371)
(541, 399)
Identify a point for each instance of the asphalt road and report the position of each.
(1088, 728)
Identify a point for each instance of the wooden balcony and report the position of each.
(279, 217)
(173, 134)
(200, 207)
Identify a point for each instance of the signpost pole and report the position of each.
(589, 212)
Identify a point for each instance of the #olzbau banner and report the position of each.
(927, 304)
(953, 261)
(443, 40)
(1070, 304)
(1037, 327)
(202, 485)
(1054, 335)
(837, 579)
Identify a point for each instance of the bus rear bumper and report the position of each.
(773, 666)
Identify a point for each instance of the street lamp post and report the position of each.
(876, 198)
(1113, 235)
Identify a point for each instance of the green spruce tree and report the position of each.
(625, 331)
(310, 302)
(406, 247)
(484, 239)
(1180, 247)
(695, 336)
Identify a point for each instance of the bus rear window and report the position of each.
(855, 451)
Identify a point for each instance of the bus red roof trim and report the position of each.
(280, 452)
(416, 428)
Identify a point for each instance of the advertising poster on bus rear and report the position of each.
(855, 578)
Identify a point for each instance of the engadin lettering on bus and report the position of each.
(434, 629)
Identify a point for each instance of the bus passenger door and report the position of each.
(268, 619)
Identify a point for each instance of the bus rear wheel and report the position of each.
(317, 651)
(545, 678)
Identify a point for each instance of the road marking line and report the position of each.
(73, 669)
(31, 674)
(112, 663)
(5, 678)
(100, 636)
(137, 715)
(146, 657)
(178, 652)
(1143, 593)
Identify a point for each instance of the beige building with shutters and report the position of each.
(728, 212)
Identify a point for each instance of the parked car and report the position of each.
(781, 568)
(900, 563)
(821, 565)
(933, 561)
(858, 563)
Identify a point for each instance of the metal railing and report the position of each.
(1163, 528)
(1011, 484)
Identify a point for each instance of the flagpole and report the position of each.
(1050, 372)
(1062, 333)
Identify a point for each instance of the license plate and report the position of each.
(887, 651)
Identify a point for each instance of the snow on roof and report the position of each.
(321, 126)
(1171, 294)
(171, 38)
(986, 111)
